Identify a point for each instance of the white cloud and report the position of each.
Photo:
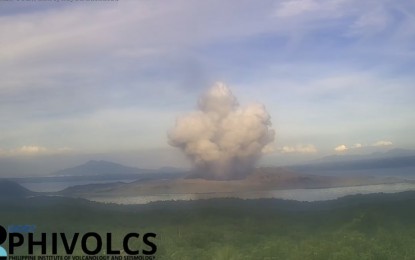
(295, 7)
(308, 148)
(382, 143)
(371, 22)
(31, 149)
(358, 145)
(269, 149)
(341, 148)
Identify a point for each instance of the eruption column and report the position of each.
(222, 139)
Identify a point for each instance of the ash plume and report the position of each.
(222, 139)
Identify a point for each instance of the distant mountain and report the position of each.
(399, 152)
(101, 168)
(393, 161)
(168, 169)
(10, 189)
(105, 171)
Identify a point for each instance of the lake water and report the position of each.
(54, 186)
(292, 194)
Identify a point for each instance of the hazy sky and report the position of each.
(110, 78)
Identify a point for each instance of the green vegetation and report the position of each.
(377, 227)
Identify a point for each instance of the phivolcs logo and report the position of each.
(90, 243)
(3, 237)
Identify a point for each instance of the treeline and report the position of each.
(377, 226)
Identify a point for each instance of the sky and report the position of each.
(107, 79)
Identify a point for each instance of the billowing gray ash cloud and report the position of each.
(222, 139)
